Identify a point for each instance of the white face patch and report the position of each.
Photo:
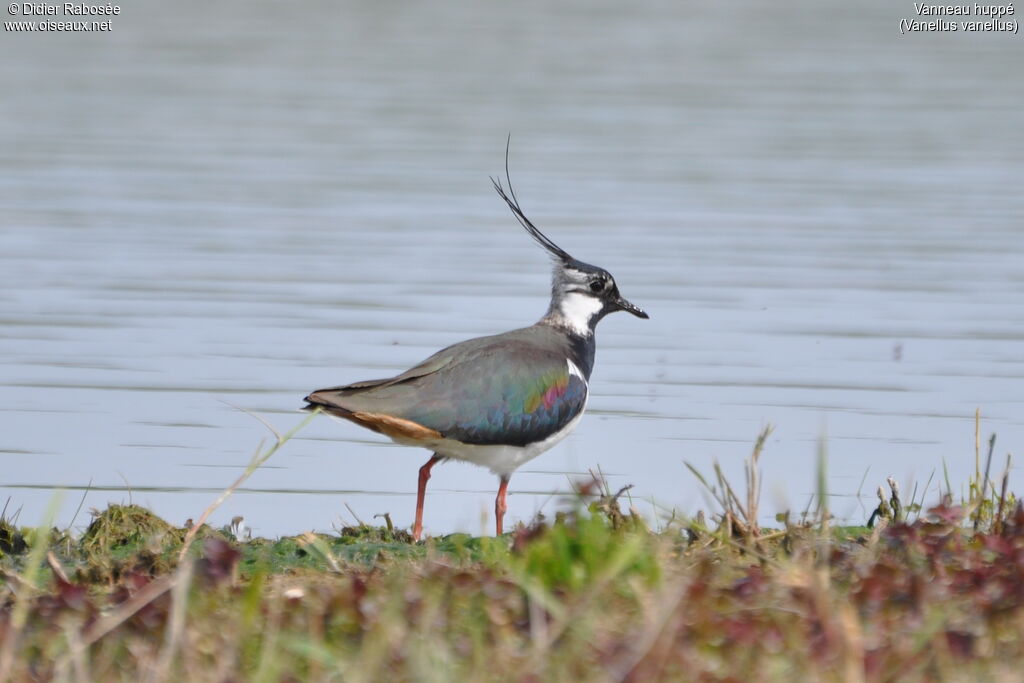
(577, 309)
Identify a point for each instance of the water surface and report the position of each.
(222, 207)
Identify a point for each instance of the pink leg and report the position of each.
(421, 492)
(499, 503)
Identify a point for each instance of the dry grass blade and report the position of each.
(314, 545)
(738, 515)
(655, 627)
(977, 444)
(823, 511)
(998, 528)
(981, 504)
(25, 590)
(352, 512)
(258, 458)
(256, 416)
(754, 481)
(176, 628)
(181, 577)
(734, 506)
(126, 610)
(56, 567)
(897, 504)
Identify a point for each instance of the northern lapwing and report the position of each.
(497, 401)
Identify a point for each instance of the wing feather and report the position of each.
(491, 391)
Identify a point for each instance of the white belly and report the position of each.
(502, 460)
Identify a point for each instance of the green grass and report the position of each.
(928, 592)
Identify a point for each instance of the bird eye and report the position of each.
(596, 285)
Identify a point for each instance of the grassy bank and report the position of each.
(594, 594)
